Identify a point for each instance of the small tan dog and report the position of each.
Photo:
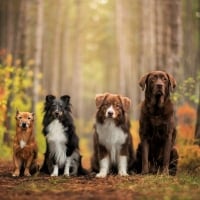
(24, 146)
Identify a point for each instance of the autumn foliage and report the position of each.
(186, 115)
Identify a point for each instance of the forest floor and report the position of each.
(183, 186)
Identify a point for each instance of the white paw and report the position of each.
(66, 174)
(54, 174)
(101, 175)
(123, 173)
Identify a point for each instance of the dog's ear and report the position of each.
(126, 103)
(50, 98)
(65, 98)
(172, 82)
(143, 80)
(99, 98)
(33, 115)
(17, 112)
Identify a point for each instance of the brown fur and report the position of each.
(157, 125)
(24, 146)
(121, 106)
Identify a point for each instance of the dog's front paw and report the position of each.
(15, 174)
(123, 173)
(54, 174)
(165, 171)
(26, 172)
(66, 174)
(145, 170)
(101, 175)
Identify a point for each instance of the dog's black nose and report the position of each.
(110, 113)
(56, 113)
(23, 125)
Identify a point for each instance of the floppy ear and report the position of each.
(126, 103)
(99, 98)
(172, 82)
(143, 80)
(50, 98)
(65, 98)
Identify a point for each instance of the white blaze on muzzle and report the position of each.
(24, 124)
(110, 112)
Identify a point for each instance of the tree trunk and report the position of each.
(56, 81)
(38, 53)
(77, 81)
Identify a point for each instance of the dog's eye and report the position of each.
(153, 78)
(117, 105)
(19, 117)
(29, 118)
(164, 79)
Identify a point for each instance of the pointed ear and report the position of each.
(142, 81)
(65, 98)
(50, 98)
(126, 102)
(17, 112)
(99, 99)
(33, 115)
(172, 82)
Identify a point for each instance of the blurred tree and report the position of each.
(77, 77)
(38, 53)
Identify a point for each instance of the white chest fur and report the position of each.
(112, 137)
(57, 140)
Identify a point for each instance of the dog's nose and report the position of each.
(159, 86)
(23, 125)
(57, 113)
(110, 113)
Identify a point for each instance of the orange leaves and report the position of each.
(186, 122)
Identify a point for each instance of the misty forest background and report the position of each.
(85, 47)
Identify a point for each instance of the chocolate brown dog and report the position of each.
(156, 152)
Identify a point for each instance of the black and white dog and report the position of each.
(62, 144)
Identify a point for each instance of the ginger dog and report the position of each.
(24, 146)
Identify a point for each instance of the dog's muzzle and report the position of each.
(57, 114)
(24, 125)
(110, 112)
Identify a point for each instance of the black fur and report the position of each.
(60, 109)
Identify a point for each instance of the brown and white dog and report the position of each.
(24, 146)
(113, 148)
(156, 152)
